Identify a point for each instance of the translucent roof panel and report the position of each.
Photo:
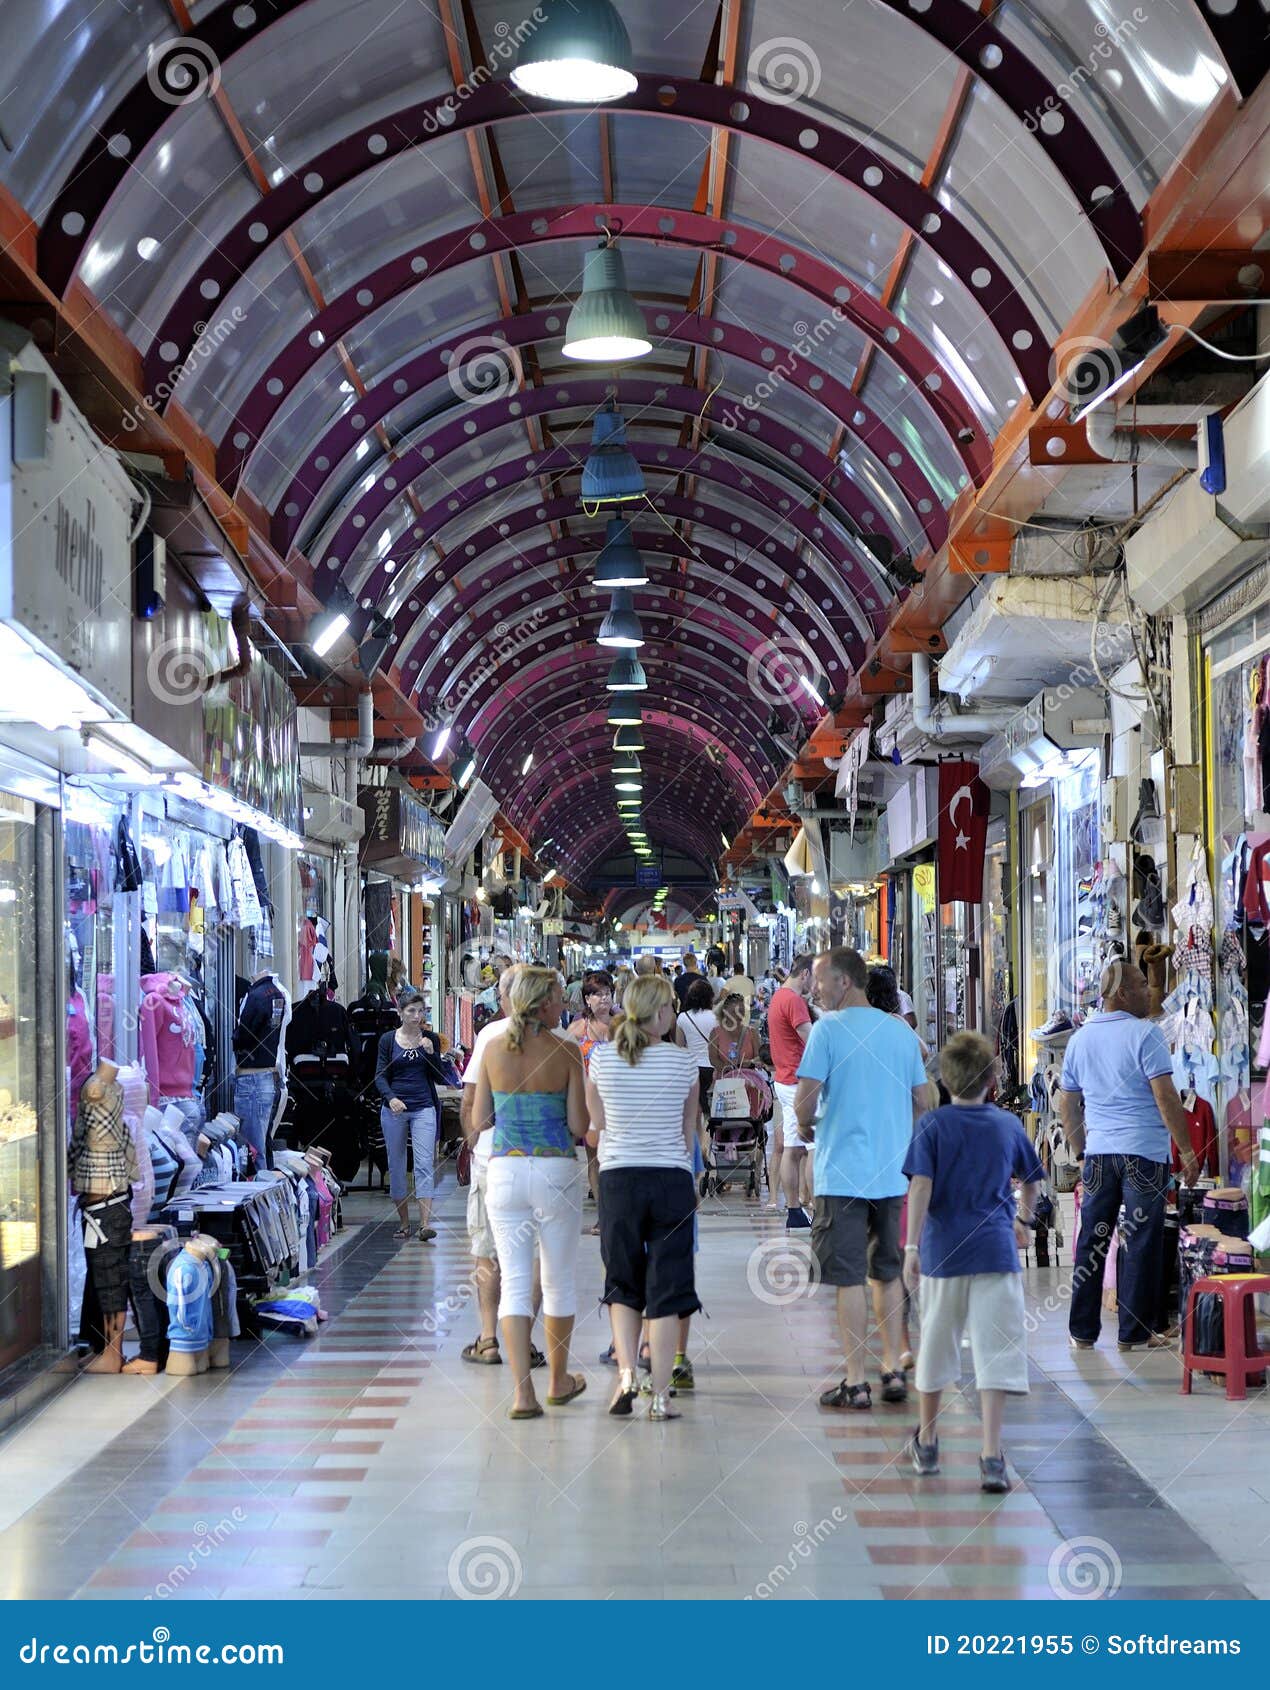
(775, 397)
(799, 203)
(552, 159)
(377, 217)
(187, 188)
(887, 501)
(306, 412)
(65, 66)
(422, 317)
(1141, 78)
(936, 306)
(656, 163)
(999, 181)
(900, 405)
(780, 311)
(347, 63)
(866, 69)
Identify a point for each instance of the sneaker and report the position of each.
(992, 1474)
(681, 1377)
(796, 1220)
(1058, 1024)
(894, 1387)
(924, 1458)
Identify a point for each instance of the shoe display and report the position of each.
(1059, 1026)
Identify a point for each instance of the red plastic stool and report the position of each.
(1244, 1359)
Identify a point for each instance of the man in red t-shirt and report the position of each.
(788, 1024)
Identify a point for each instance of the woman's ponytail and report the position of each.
(530, 990)
(645, 998)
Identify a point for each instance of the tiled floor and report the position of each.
(372, 1462)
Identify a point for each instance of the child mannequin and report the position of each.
(190, 1280)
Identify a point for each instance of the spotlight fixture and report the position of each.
(621, 627)
(575, 50)
(463, 765)
(527, 765)
(374, 647)
(627, 675)
(606, 326)
(620, 564)
(332, 622)
(441, 740)
(610, 474)
(629, 738)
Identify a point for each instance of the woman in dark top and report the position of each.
(406, 1073)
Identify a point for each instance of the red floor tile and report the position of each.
(914, 1519)
(295, 1537)
(938, 1555)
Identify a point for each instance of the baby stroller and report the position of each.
(741, 1105)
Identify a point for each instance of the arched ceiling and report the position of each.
(345, 249)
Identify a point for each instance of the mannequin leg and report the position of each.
(111, 1358)
(183, 1364)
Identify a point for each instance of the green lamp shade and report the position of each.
(620, 563)
(610, 474)
(627, 675)
(628, 783)
(621, 626)
(629, 738)
(627, 764)
(579, 51)
(625, 715)
(606, 326)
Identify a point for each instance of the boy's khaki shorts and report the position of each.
(987, 1308)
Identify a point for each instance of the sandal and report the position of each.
(425, 1234)
(536, 1357)
(894, 1387)
(608, 1358)
(625, 1394)
(403, 1232)
(534, 1413)
(846, 1396)
(578, 1382)
(484, 1351)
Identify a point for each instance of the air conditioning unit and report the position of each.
(1198, 542)
(1046, 739)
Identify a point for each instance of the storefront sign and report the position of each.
(251, 744)
(647, 875)
(553, 928)
(65, 522)
(399, 827)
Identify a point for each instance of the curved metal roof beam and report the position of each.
(773, 367)
(830, 547)
(425, 456)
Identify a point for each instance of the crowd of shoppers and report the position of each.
(918, 1198)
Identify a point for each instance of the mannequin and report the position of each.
(102, 1163)
(190, 1281)
(260, 1058)
(169, 1036)
(145, 1305)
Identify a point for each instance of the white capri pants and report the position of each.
(987, 1307)
(536, 1200)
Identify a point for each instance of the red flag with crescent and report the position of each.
(964, 805)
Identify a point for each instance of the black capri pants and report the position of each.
(646, 1239)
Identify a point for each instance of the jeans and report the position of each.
(536, 1200)
(147, 1278)
(421, 1126)
(255, 1099)
(1106, 1183)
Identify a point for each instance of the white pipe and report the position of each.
(1126, 446)
(362, 746)
(966, 724)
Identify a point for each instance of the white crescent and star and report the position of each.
(962, 840)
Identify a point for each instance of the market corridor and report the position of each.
(370, 1462)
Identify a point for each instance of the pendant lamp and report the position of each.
(628, 783)
(624, 715)
(575, 50)
(605, 326)
(626, 763)
(629, 738)
(620, 564)
(627, 675)
(610, 475)
(621, 626)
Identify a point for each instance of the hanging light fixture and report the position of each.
(610, 475)
(627, 675)
(606, 326)
(628, 783)
(624, 715)
(575, 50)
(629, 738)
(620, 564)
(627, 764)
(621, 626)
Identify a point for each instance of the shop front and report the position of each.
(403, 867)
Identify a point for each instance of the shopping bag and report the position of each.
(730, 1100)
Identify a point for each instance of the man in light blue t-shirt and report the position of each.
(1119, 1109)
(863, 1070)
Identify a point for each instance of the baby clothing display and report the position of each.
(170, 1033)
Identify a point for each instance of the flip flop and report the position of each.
(534, 1413)
(579, 1385)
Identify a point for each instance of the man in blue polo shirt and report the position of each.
(1119, 1109)
(863, 1071)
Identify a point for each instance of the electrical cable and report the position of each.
(1230, 357)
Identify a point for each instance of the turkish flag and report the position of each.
(964, 803)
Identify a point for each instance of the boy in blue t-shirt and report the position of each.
(964, 1238)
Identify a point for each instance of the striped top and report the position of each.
(644, 1106)
(531, 1123)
